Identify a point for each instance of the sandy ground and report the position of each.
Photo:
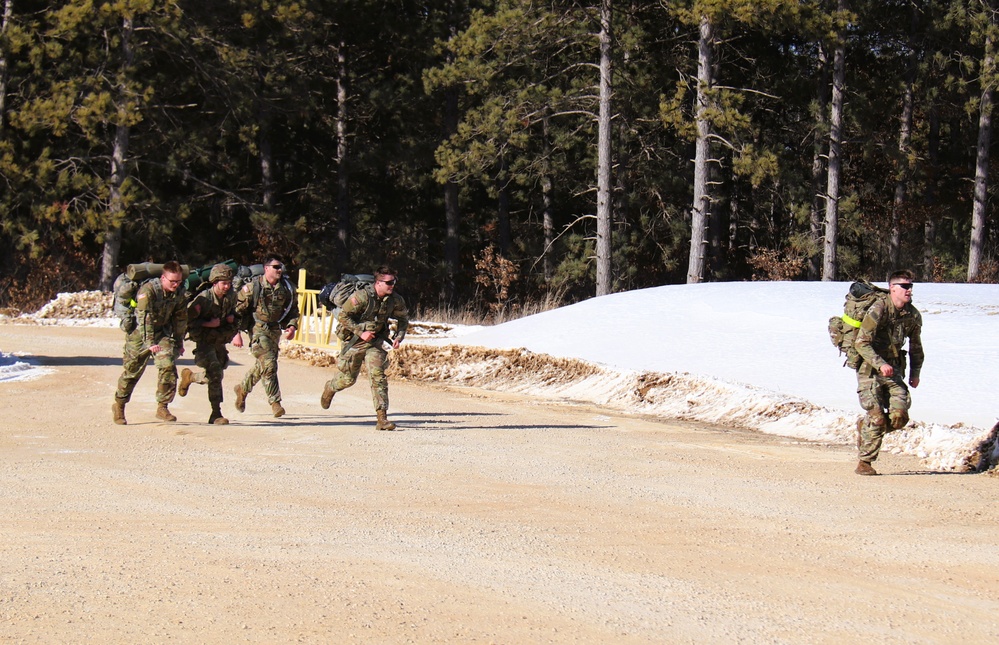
(490, 519)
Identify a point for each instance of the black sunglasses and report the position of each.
(904, 285)
(391, 282)
(279, 267)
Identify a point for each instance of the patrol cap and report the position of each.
(220, 272)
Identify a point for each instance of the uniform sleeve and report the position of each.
(352, 311)
(194, 309)
(244, 298)
(293, 313)
(401, 314)
(178, 321)
(916, 346)
(145, 318)
(866, 333)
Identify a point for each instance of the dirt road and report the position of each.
(491, 518)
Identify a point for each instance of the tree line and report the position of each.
(498, 151)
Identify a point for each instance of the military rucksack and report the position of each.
(127, 284)
(843, 329)
(335, 294)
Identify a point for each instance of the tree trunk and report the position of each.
(702, 149)
(8, 11)
(604, 215)
(815, 213)
(504, 235)
(980, 205)
(904, 139)
(547, 200)
(344, 225)
(829, 263)
(119, 153)
(452, 217)
(930, 225)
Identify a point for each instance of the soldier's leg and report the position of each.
(253, 376)
(348, 366)
(268, 363)
(899, 402)
(133, 364)
(876, 423)
(376, 360)
(166, 363)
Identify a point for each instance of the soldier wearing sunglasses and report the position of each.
(881, 383)
(363, 327)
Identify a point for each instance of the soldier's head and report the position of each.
(273, 269)
(221, 279)
(385, 279)
(172, 276)
(900, 287)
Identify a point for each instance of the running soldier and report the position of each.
(363, 327)
(271, 300)
(161, 322)
(211, 324)
(881, 382)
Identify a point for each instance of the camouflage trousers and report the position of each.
(264, 347)
(348, 366)
(212, 358)
(134, 361)
(887, 402)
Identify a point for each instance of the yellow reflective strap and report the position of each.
(133, 304)
(851, 321)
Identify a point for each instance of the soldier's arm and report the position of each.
(350, 313)
(401, 315)
(865, 336)
(293, 313)
(916, 348)
(144, 318)
(179, 321)
(244, 298)
(194, 309)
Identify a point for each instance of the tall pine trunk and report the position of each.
(344, 225)
(904, 139)
(829, 261)
(119, 154)
(604, 160)
(980, 205)
(702, 150)
(8, 11)
(816, 208)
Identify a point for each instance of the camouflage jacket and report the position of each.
(271, 302)
(159, 314)
(365, 311)
(205, 307)
(883, 332)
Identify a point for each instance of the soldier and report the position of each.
(362, 325)
(881, 377)
(161, 322)
(272, 301)
(212, 323)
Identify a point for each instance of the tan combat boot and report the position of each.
(240, 397)
(277, 409)
(327, 397)
(186, 378)
(865, 468)
(383, 422)
(118, 412)
(216, 417)
(163, 413)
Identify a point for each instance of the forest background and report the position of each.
(499, 153)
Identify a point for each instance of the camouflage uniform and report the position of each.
(364, 311)
(161, 319)
(266, 334)
(210, 351)
(886, 398)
